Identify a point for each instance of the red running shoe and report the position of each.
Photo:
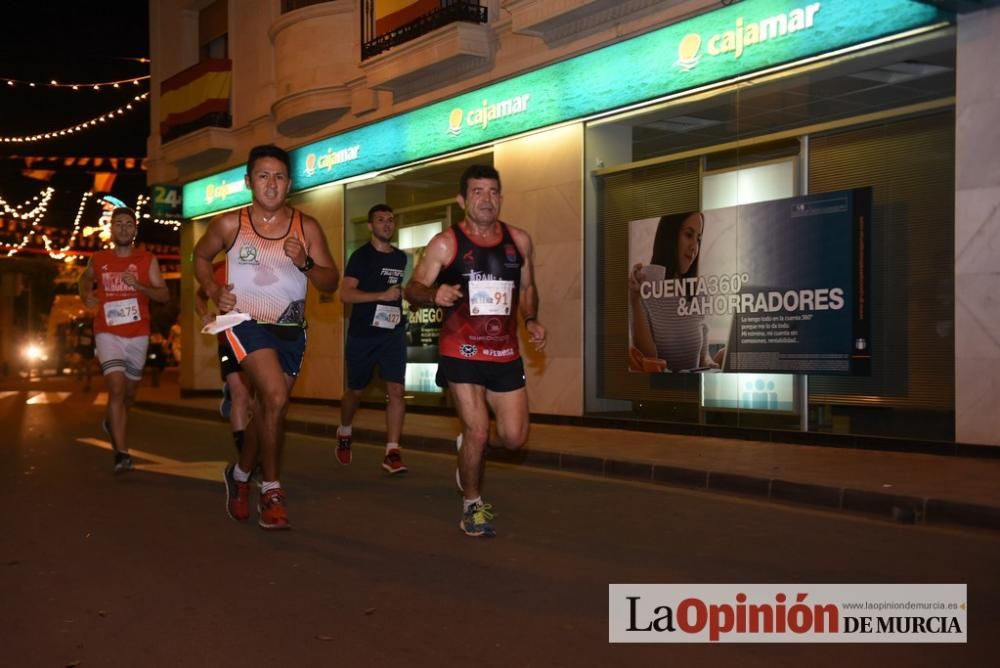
(393, 462)
(343, 448)
(237, 495)
(272, 510)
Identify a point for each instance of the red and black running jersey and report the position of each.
(465, 333)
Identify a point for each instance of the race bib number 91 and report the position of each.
(490, 297)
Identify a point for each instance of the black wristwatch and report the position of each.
(307, 266)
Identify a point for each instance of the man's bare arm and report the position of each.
(157, 289)
(528, 301)
(350, 293)
(211, 243)
(420, 289)
(86, 287)
(324, 275)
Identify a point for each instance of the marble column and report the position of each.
(542, 179)
(977, 230)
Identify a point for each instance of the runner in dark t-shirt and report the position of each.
(376, 334)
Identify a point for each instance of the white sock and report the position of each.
(391, 446)
(468, 503)
(239, 474)
(344, 431)
(268, 485)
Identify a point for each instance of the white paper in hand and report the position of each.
(225, 321)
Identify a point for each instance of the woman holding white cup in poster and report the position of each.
(662, 339)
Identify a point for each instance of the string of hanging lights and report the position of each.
(62, 253)
(92, 85)
(34, 215)
(141, 202)
(18, 211)
(79, 127)
(66, 253)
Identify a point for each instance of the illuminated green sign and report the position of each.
(216, 192)
(731, 41)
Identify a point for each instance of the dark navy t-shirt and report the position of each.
(375, 272)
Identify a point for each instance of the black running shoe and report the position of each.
(123, 462)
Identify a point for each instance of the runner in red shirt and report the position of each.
(119, 283)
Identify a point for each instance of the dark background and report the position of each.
(73, 42)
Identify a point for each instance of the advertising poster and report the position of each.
(423, 330)
(424, 322)
(772, 287)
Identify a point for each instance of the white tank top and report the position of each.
(266, 282)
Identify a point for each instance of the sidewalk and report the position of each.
(904, 487)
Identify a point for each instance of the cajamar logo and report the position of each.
(688, 51)
(223, 190)
(327, 161)
(744, 35)
(482, 116)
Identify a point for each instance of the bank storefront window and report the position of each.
(778, 253)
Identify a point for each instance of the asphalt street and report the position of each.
(147, 569)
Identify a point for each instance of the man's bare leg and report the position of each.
(395, 412)
(512, 418)
(470, 403)
(271, 391)
(117, 419)
(121, 397)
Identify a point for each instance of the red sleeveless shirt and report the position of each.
(126, 306)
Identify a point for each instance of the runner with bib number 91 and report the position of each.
(481, 271)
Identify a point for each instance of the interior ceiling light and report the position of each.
(900, 72)
(682, 124)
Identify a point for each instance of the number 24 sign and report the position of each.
(166, 201)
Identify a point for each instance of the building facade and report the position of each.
(868, 132)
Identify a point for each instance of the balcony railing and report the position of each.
(292, 5)
(439, 14)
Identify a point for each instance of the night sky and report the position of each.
(72, 42)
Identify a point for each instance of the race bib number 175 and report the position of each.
(122, 311)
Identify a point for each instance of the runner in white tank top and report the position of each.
(268, 286)
(272, 252)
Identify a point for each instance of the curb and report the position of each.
(899, 508)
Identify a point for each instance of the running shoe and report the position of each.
(343, 448)
(237, 495)
(476, 521)
(458, 474)
(226, 405)
(272, 510)
(393, 462)
(123, 462)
